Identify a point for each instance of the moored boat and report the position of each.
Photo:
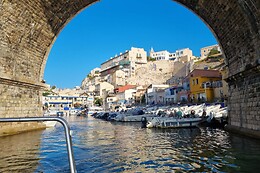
(170, 122)
(92, 110)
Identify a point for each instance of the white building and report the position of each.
(204, 52)
(155, 94)
(182, 55)
(160, 55)
(60, 99)
(172, 95)
(126, 97)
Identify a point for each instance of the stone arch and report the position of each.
(29, 29)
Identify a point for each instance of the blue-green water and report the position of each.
(101, 146)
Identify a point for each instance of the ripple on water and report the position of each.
(101, 146)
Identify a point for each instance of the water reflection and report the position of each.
(20, 153)
(101, 146)
(126, 147)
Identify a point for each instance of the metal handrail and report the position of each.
(66, 128)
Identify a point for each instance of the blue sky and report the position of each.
(109, 27)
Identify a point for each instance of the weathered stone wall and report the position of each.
(157, 72)
(19, 100)
(244, 103)
(28, 29)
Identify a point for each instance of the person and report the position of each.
(192, 113)
(171, 114)
(204, 113)
(225, 100)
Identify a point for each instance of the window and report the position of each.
(197, 81)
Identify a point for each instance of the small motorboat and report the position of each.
(172, 122)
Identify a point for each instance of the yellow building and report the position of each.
(201, 84)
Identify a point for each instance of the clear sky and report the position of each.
(109, 27)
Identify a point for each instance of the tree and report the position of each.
(98, 101)
(90, 76)
(213, 52)
(46, 93)
(150, 58)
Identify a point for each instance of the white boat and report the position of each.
(92, 110)
(73, 112)
(170, 122)
(50, 123)
(124, 117)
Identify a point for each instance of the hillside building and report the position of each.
(155, 94)
(204, 52)
(128, 62)
(201, 89)
(182, 55)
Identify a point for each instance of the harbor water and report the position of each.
(101, 146)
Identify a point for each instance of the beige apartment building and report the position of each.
(118, 78)
(127, 62)
(102, 87)
(91, 80)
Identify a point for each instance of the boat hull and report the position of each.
(174, 122)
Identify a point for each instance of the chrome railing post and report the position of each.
(66, 128)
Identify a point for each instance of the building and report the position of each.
(201, 84)
(140, 93)
(204, 52)
(221, 87)
(182, 55)
(118, 78)
(127, 62)
(111, 102)
(160, 55)
(123, 88)
(125, 94)
(184, 93)
(155, 94)
(101, 88)
(91, 80)
(67, 98)
(170, 95)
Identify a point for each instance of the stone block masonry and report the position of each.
(19, 100)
